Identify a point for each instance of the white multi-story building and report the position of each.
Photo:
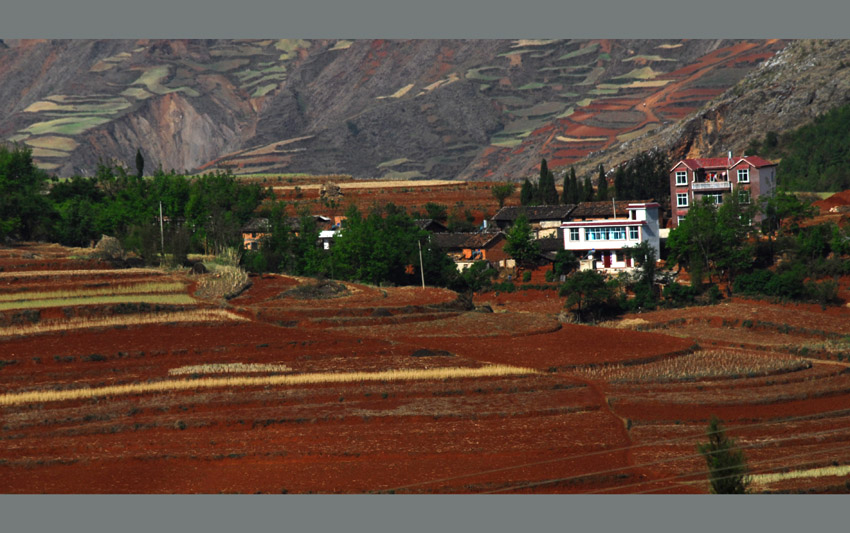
(603, 240)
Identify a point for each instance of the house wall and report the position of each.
(646, 222)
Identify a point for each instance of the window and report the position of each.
(744, 196)
(633, 233)
(573, 234)
(681, 177)
(716, 198)
(743, 175)
(682, 199)
(679, 219)
(619, 256)
(618, 233)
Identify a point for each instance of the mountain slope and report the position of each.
(473, 109)
(805, 79)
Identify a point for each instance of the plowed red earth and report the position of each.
(552, 429)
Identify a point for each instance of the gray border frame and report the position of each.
(422, 19)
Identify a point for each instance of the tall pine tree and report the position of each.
(565, 193)
(587, 193)
(526, 193)
(601, 185)
(575, 194)
(546, 186)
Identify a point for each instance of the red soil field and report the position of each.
(558, 427)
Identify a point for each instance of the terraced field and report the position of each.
(292, 388)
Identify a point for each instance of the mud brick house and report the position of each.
(254, 231)
(691, 180)
(544, 219)
(602, 240)
(467, 248)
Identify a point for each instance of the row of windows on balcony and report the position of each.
(612, 233)
(710, 177)
(682, 198)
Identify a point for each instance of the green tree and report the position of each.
(601, 185)
(712, 240)
(546, 186)
(589, 297)
(25, 212)
(574, 193)
(587, 192)
(783, 213)
(526, 193)
(140, 163)
(436, 211)
(521, 245)
(501, 192)
(727, 467)
(565, 262)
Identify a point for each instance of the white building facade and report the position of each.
(601, 242)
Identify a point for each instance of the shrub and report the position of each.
(526, 276)
(505, 286)
(678, 295)
(549, 276)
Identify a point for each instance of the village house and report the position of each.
(544, 219)
(601, 242)
(467, 248)
(691, 180)
(254, 231)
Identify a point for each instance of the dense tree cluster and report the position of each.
(814, 157)
(644, 177)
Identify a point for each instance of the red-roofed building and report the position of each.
(693, 179)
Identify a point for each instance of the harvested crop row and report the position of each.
(699, 365)
(163, 299)
(140, 288)
(227, 368)
(54, 273)
(301, 379)
(201, 315)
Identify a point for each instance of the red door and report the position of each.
(606, 259)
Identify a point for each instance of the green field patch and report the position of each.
(510, 100)
(543, 108)
(642, 84)
(218, 66)
(524, 43)
(531, 86)
(409, 175)
(46, 152)
(484, 87)
(136, 92)
(87, 98)
(567, 112)
(644, 73)
(43, 165)
(66, 126)
(605, 56)
(514, 53)
(580, 52)
(565, 68)
(507, 143)
(568, 94)
(51, 142)
(725, 77)
(648, 58)
(393, 162)
(599, 91)
(593, 76)
(289, 47)
(476, 73)
(669, 46)
(584, 102)
(341, 45)
(264, 90)
(164, 299)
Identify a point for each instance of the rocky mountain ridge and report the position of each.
(467, 109)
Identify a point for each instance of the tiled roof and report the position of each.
(459, 241)
(534, 213)
(603, 209)
(430, 224)
(757, 161)
(724, 162)
(256, 225)
(550, 244)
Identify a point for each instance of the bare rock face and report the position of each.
(469, 109)
(803, 80)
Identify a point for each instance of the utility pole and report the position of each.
(421, 268)
(161, 233)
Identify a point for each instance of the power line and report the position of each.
(758, 471)
(702, 472)
(611, 450)
(654, 463)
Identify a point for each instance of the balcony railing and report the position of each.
(711, 186)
